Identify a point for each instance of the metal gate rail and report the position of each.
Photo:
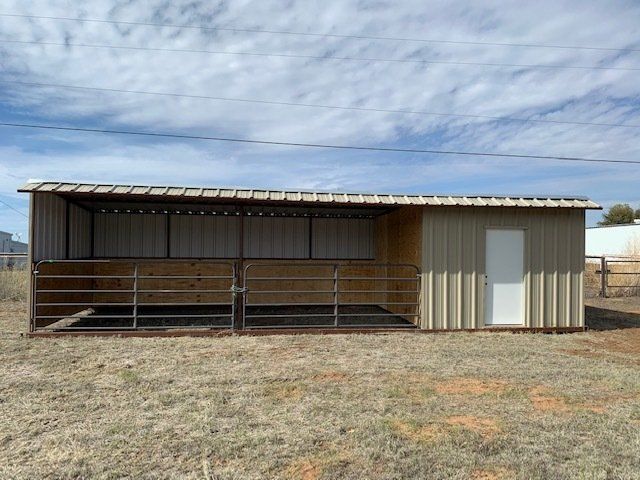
(618, 276)
(337, 314)
(132, 292)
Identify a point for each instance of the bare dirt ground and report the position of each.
(390, 406)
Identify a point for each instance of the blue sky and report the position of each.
(602, 96)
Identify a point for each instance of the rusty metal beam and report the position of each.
(291, 331)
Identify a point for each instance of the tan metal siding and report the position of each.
(203, 236)
(313, 197)
(342, 238)
(49, 223)
(130, 235)
(453, 265)
(276, 237)
(79, 232)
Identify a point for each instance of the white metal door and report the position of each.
(504, 288)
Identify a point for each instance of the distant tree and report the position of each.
(618, 214)
(637, 214)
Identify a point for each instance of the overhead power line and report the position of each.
(13, 208)
(324, 34)
(315, 105)
(318, 145)
(320, 57)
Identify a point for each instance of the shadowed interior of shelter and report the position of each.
(141, 265)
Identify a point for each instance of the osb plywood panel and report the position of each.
(399, 241)
(403, 231)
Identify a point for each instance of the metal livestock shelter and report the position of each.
(150, 260)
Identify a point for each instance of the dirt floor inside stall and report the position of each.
(220, 317)
(454, 405)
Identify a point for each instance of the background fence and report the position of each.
(612, 276)
(607, 276)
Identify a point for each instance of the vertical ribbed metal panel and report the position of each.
(276, 237)
(79, 232)
(454, 265)
(342, 238)
(130, 235)
(49, 227)
(204, 236)
(5, 242)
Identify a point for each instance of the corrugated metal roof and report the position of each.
(309, 197)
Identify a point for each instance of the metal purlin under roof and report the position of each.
(226, 194)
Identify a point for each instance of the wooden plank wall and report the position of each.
(165, 268)
(399, 240)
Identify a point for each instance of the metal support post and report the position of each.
(335, 294)
(135, 295)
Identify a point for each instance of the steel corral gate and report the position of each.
(156, 294)
(619, 276)
(130, 296)
(340, 290)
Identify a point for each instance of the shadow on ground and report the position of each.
(600, 319)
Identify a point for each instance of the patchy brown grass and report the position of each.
(619, 338)
(492, 474)
(625, 342)
(331, 376)
(594, 408)
(620, 348)
(470, 386)
(284, 390)
(446, 426)
(486, 427)
(304, 470)
(543, 400)
(416, 433)
(314, 407)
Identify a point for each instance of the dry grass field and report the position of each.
(14, 285)
(479, 406)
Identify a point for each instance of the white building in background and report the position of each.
(613, 240)
(9, 245)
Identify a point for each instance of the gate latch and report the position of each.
(236, 289)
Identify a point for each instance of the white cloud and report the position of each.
(605, 96)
